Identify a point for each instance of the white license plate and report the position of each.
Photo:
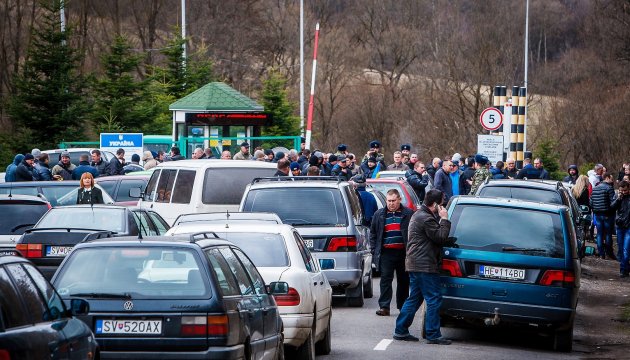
(134, 327)
(501, 272)
(308, 243)
(58, 250)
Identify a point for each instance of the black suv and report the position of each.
(197, 297)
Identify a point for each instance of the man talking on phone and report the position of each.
(428, 233)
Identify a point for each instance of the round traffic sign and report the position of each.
(491, 119)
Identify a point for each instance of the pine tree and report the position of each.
(49, 88)
(547, 152)
(274, 100)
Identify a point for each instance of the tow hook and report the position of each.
(493, 320)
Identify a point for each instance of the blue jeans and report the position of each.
(623, 240)
(427, 287)
(605, 225)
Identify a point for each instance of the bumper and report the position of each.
(227, 352)
(296, 328)
(343, 278)
(515, 313)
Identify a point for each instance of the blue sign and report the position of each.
(121, 140)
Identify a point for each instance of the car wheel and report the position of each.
(323, 346)
(354, 297)
(368, 290)
(307, 350)
(563, 340)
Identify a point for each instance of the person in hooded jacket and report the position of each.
(313, 161)
(149, 160)
(9, 176)
(371, 167)
(573, 175)
(24, 171)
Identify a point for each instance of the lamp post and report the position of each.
(526, 63)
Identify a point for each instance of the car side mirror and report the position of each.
(79, 307)
(135, 193)
(278, 288)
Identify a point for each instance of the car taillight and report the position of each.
(218, 325)
(30, 250)
(4, 355)
(292, 298)
(348, 243)
(194, 326)
(558, 278)
(452, 267)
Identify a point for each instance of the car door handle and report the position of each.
(321, 283)
(315, 283)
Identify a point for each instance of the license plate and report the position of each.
(58, 250)
(133, 327)
(308, 243)
(8, 252)
(501, 272)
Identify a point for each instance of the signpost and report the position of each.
(490, 146)
(491, 119)
(130, 142)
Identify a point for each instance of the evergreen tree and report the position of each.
(547, 152)
(274, 100)
(49, 88)
(121, 101)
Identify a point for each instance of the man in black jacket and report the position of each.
(117, 164)
(601, 203)
(24, 171)
(622, 205)
(573, 175)
(418, 178)
(388, 238)
(101, 165)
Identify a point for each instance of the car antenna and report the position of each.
(227, 218)
(141, 225)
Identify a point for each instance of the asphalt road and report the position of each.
(358, 333)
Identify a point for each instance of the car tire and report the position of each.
(368, 290)
(563, 340)
(324, 346)
(307, 350)
(354, 297)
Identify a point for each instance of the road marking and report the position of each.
(382, 346)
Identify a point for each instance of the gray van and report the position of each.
(328, 214)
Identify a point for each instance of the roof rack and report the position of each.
(298, 178)
(205, 234)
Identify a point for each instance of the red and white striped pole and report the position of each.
(309, 124)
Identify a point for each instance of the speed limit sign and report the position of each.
(491, 119)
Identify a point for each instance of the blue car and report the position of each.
(525, 274)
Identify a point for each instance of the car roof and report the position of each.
(507, 202)
(12, 259)
(216, 163)
(386, 180)
(298, 181)
(16, 197)
(533, 183)
(241, 228)
(90, 206)
(41, 183)
(123, 177)
(228, 216)
(179, 240)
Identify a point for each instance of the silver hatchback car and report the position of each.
(328, 214)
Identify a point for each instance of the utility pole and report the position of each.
(184, 33)
(302, 67)
(526, 63)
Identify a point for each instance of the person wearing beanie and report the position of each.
(313, 161)
(84, 166)
(405, 149)
(457, 157)
(149, 160)
(371, 168)
(342, 149)
(341, 168)
(36, 154)
(329, 165)
(295, 169)
(64, 168)
(134, 165)
(24, 171)
(573, 175)
(278, 156)
(481, 173)
(375, 147)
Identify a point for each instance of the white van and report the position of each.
(197, 186)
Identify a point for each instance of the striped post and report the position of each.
(514, 125)
(520, 149)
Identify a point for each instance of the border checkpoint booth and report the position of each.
(219, 117)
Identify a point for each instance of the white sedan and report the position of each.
(279, 253)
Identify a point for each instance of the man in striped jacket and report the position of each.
(388, 240)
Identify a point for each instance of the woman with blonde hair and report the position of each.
(581, 191)
(88, 193)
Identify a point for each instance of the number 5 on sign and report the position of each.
(491, 119)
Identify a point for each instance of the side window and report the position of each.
(237, 269)
(11, 313)
(355, 205)
(109, 187)
(125, 186)
(149, 194)
(30, 294)
(259, 283)
(144, 224)
(184, 188)
(227, 283)
(161, 226)
(165, 186)
(55, 304)
(306, 255)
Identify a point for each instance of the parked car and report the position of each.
(279, 254)
(328, 214)
(61, 228)
(34, 322)
(75, 153)
(391, 174)
(551, 192)
(527, 275)
(409, 197)
(173, 298)
(187, 186)
(228, 218)
(119, 186)
(58, 193)
(18, 213)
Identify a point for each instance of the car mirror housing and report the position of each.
(79, 307)
(135, 193)
(278, 288)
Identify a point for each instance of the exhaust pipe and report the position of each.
(493, 320)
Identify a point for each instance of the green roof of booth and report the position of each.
(216, 96)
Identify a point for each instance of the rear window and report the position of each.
(155, 272)
(53, 193)
(226, 185)
(19, 190)
(538, 231)
(96, 218)
(266, 250)
(17, 217)
(538, 195)
(300, 206)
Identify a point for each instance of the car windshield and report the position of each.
(85, 217)
(142, 272)
(18, 217)
(530, 232)
(531, 194)
(264, 249)
(299, 206)
(384, 187)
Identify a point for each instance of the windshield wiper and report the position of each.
(523, 249)
(20, 226)
(103, 295)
